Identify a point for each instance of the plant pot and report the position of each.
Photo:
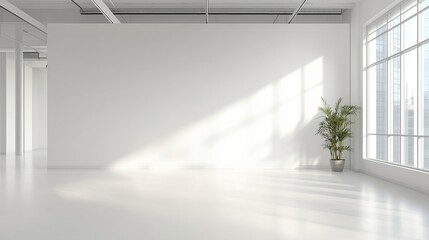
(337, 165)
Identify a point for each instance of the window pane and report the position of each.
(425, 25)
(395, 150)
(377, 49)
(425, 163)
(377, 83)
(408, 5)
(377, 147)
(410, 93)
(410, 12)
(395, 91)
(410, 32)
(395, 40)
(425, 87)
(409, 151)
(394, 17)
(424, 3)
(425, 104)
(377, 28)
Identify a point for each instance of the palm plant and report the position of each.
(335, 127)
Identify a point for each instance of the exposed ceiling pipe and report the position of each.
(111, 2)
(23, 16)
(295, 13)
(75, 3)
(218, 11)
(207, 11)
(106, 11)
(114, 7)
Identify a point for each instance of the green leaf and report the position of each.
(335, 126)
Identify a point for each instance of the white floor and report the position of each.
(204, 204)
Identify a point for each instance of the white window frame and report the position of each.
(367, 38)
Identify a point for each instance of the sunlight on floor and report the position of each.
(206, 204)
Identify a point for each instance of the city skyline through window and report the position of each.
(397, 86)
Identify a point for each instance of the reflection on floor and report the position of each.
(203, 204)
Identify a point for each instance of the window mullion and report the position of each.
(367, 99)
(401, 97)
(419, 112)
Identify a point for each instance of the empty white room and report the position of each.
(214, 119)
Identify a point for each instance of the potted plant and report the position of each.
(335, 130)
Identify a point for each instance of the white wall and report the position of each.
(40, 107)
(192, 95)
(2, 103)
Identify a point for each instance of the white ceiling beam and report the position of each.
(106, 11)
(22, 15)
(295, 13)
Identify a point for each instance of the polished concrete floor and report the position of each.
(203, 204)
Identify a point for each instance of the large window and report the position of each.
(397, 86)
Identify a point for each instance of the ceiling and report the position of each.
(69, 11)
(66, 4)
(84, 11)
(31, 38)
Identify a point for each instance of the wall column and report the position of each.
(19, 94)
(2, 103)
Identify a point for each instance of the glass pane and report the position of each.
(409, 151)
(395, 40)
(395, 150)
(377, 83)
(408, 5)
(424, 25)
(377, 49)
(395, 85)
(424, 3)
(407, 14)
(425, 87)
(377, 147)
(410, 32)
(394, 17)
(377, 28)
(425, 163)
(409, 65)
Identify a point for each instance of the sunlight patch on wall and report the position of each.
(270, 124)
(290, 101)
(313, 89)
(299, 97)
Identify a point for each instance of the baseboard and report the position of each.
(305, 167)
